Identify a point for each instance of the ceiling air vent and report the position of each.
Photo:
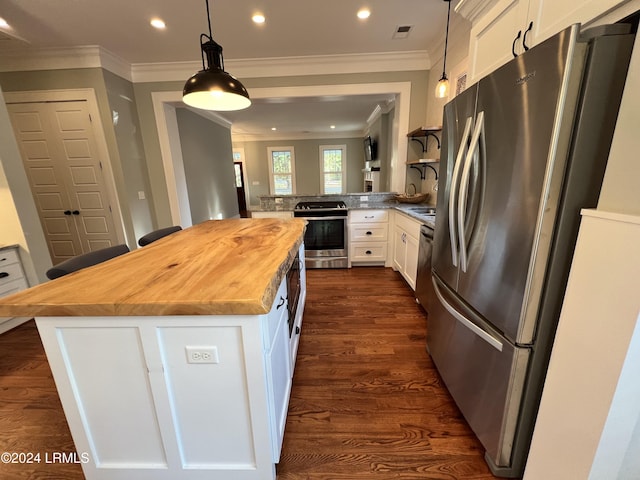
(402, 31)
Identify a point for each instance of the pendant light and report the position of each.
(212, 88)
(442, 89)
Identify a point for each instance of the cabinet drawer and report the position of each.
(369, 252)
(277, 314)
(368, 216)
(373, 232)
(15, 286)
(9, 273)
(8, 257)
(408, 224)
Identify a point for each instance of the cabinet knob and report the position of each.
(513, 45)
(369, 233)
(297, 330)
(368, 252)
(76, 212)
(67, 212)
(4, 274)
(282, 300)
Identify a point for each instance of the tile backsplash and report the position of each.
(353, 200)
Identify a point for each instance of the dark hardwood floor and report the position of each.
(31, 416)
(367, 402)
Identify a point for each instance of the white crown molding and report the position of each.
(95, 57)
(474, 9)
(115, 64)
(267, 137)
(211, 116)
(289, 66)
(89, 56)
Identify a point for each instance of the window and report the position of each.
(238, 164)
(282, 171)
(333, 163)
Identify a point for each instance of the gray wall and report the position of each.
(19, 221)
(307, 164)
(419, 99)
(380, 131)
(131, 151)
(97, 79)
(208, 166)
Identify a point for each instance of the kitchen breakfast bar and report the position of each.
(175, 360)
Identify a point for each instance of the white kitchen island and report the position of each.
(174, 361)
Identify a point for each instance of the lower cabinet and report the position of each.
(278, 370)
(12, 280)
(406, 232)
(167, 397)
(368, 237)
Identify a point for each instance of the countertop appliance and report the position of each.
(523, 151)
(325, 239)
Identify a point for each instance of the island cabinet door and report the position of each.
(168, 398)
(278, 371)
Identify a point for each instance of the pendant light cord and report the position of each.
(446, 43)
(209, 20)
(206, 45)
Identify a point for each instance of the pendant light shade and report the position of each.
(212, 88)
(442, 89)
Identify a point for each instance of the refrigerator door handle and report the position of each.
(474, 151)
(486, 336)
(453, 237)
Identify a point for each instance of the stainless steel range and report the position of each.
(325, 240)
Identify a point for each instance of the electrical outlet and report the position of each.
(207, 354)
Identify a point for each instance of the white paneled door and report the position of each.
(59, 152)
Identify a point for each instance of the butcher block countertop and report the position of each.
(218, 267)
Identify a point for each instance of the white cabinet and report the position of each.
(12, 280)
(183, 417)
(278, 368)
(368, 237)
(510, 26)
(405, 249)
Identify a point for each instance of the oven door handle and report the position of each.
(324, 218)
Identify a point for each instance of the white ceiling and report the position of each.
(293, 28)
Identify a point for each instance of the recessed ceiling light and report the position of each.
(332, 126)
(273, 128)
(364, 13)
(3, 23)
(258, 18)
(157, 23)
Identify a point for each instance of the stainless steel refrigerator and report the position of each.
(523, 151)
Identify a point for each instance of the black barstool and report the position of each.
(85, 260)
(157, 235)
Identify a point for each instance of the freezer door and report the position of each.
(514, 152)
(483, 371)
(457, 127)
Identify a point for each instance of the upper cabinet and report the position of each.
(503, 29)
